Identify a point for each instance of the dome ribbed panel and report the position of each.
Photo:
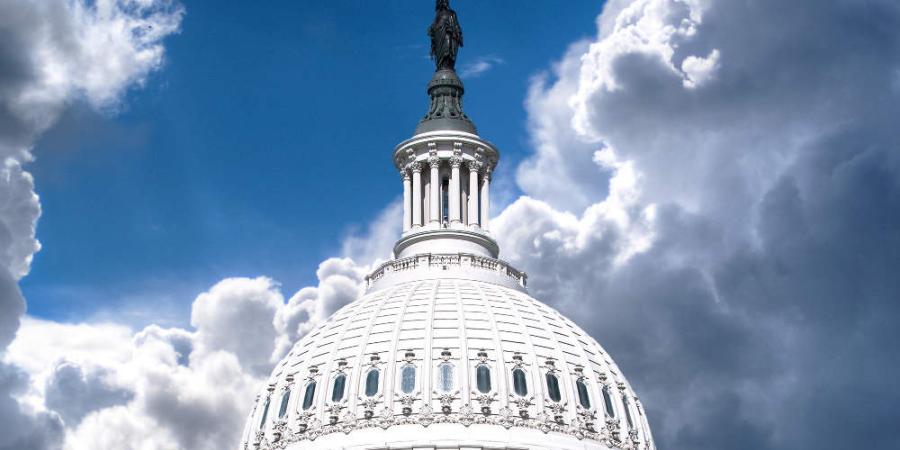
(477, 322)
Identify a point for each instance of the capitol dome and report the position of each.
(446, 349)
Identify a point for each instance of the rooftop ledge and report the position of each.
(448, 264)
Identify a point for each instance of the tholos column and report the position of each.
(416, 194)
(455, 199)
(473, 192)
(435, 199)
(485, 198)
(407, 200)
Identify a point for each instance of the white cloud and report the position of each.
(235, 315)
(480, 65)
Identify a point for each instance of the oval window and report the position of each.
(282, 410)
(337, 391)
(265, 413)
(483, 378)
(408, 379)
(445, 377)
(372, 383)
(309, 395)
(520, 384)
(583, 397)
(553, 387)
(607, 402)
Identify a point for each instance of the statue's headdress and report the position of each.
(442, 4)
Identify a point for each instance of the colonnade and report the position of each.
(421, 190)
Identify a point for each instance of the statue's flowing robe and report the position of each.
(446, 38)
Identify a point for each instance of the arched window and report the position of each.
(309, 395)
(265, 413)
(372, 383)
(520, 384)
(408, 379)
(583, 397)
(483, 378)
(553, 387)
(337, 391)
(607, 402)
(282, 410)
(445, 377)
(627, 412)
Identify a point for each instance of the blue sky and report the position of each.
(265, 140)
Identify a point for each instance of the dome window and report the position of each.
(265, 413)
(607, 402)
(553, 387)
(408, 379)
(483, 378)
(372, 382)
(282, 410)
(445, 377)
(520, 384)
(583, 398)
(309, 395)
(337, 390)
(627, 412)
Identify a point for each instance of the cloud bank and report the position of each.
(739, 262)
(713, 194)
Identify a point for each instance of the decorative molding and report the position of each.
(466, 416)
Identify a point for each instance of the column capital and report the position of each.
(415, 166)
(434, 161)
(456, 161)
(487, 172)
(474, 166)
(404, 174)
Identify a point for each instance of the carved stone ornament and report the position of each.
(415, 167)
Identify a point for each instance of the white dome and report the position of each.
(455, 316)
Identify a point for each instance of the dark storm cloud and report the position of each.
(764, 315)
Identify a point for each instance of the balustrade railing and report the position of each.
(445, 261)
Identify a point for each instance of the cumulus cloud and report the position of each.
(51, 54)
(730, 243)
(106, 386)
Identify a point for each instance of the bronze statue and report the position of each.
(446, 36)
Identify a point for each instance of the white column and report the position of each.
(455, 195)
(473, 192)
(416, 168)
(435, 199)
(485, 198)
(407, 200)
